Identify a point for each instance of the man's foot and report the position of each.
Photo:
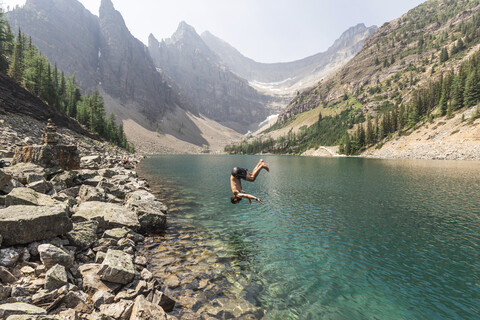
(264, 165)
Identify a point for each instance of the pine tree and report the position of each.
(457, 93)
(472, 89)
(443, 55)
(370, 135)
(16, 66)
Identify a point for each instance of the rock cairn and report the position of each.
(51, 153)
(50, 134)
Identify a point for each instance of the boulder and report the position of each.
(5, 292)
(107, 173)
(144, 310)
(8, 257)
(56, 277)
(142, 195)
(6, 276)
(92, 281)
(25, 172)
(83, 234)
(91, 162)
(9, 309)
(51, 255)
(40, 186)
(28, 197)
(64, 180)
(102, 297)
(24, 224)
(108, 215)
(150, 212)
(117, 267)
(116, 233)
(49, 156)
(89, 193)
(120, 310)
(6, 184)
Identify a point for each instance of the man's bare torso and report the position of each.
(236, 185)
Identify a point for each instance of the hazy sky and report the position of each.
(264, 30)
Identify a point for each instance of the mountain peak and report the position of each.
(184, 31)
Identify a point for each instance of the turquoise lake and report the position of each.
(338, 238)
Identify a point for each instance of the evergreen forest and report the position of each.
(23, 63)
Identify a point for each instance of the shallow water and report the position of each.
(337, 238)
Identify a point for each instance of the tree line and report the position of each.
(23, 62)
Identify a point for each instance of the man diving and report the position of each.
(236, 184)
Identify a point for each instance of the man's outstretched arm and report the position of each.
(249, 197)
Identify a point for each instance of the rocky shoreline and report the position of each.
(71, 238)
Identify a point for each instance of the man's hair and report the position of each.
(235, 200)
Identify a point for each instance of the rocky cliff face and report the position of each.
(314, 67)
(214, 89)
(103, 53)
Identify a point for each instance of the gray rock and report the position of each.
(78, 300)
(141, 195)
(99, 257)
(98, 316)
(22, 172)
(43, 296)
(6, 276)
(19, 291)
(25, 224)
(91, 279)
(151, 214)
(161, 299)
(56, 277)
(40, 186)
(146, 275)
(29, 197)
(84, 234)
(102, 297)
(117, 267)
(120, 310)
(107, 173)
(8, 257)
(64, 180)
(5, 292)
(49, 156)
(144, 310)
(6, 184)
(51, 255)
(89, 193)
(116, 233)
(9, 309)
(108, 215)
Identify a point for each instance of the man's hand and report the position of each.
(258, 199)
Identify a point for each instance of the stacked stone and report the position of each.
(50, 136)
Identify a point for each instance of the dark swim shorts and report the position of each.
(239, 173)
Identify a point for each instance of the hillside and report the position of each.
(410, 72)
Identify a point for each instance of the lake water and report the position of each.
(341, 238)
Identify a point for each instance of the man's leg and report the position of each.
(260, 165)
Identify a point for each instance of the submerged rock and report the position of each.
(24, 224)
